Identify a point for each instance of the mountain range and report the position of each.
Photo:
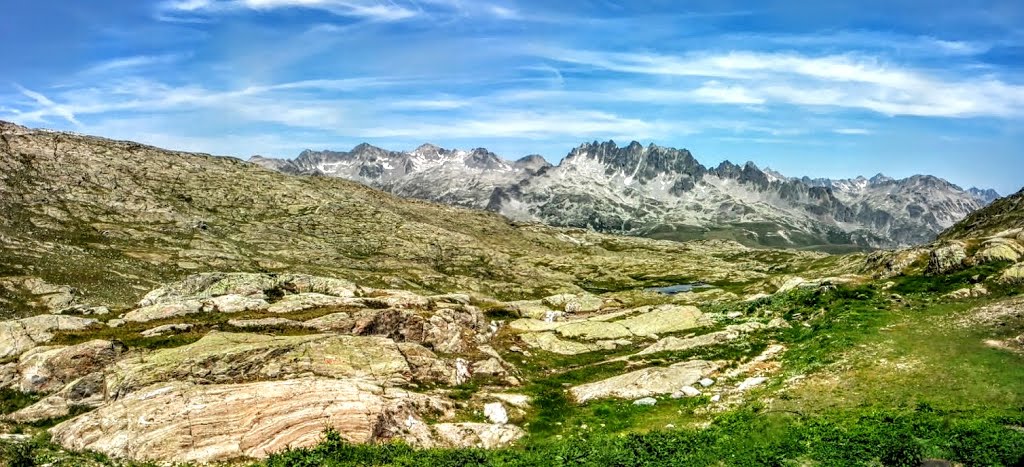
(660, 192)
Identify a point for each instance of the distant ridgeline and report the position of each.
(661, 193)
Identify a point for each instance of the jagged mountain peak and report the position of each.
(428, 147)
(880, 178)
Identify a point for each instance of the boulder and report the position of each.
(17, 336)
(47, 369)
(646, 382)
(646, 402)
(164, 311)
(946, 258)
(690, 391)
(184, 422)
(496, 413)
(750, 383)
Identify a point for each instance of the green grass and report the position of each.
(945, 283)
(13, 400)
(746, 437)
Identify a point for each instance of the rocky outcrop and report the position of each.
(164, 310)
(1013, 275)
(19, 335)
(185, 422)
(468, 435)
(646, 382)
(47, 369)
(946, 258)
(608, 328)
(975, 291)
(86, 392)
(999, 249)
(221, 358)
(40, 293)
(211, 285)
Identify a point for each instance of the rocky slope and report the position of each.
(661, 193)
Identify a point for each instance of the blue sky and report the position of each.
(807, 88)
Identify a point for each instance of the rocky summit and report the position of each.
(169, 308)
(660, 192)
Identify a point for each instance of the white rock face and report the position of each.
(496, 413)
(483, 435)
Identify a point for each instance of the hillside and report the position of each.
(1002, 215)
(175, 308)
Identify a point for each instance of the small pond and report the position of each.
(678, 288)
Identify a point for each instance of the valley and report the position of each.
(160, 307)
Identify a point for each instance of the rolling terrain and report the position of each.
(169, 307)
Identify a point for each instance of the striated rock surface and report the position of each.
(222, 357)
(183, 422)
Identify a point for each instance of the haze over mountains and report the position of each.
(660, 192)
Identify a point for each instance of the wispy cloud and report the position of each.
(852, 131)
(846, 80)
(385, 11)
(379, 10)
(46, 107)
(133, 63)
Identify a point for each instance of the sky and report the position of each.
(824, 89)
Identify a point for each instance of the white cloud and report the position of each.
(852, 81)
(380, 10)
(46, 107)
(123, 64)
(852, 131)
(371, 9)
